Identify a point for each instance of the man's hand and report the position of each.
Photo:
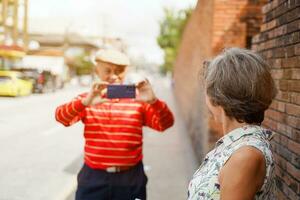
(145, 92)
(95, 96)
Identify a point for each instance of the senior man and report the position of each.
(113, 168)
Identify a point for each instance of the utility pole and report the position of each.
(25, 25)
(4, 16)
(15, 21)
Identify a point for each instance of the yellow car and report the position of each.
(11, 84)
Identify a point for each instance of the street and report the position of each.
(40, 158)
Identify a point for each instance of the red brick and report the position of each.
(293, 171)
(283, 85)
(284, 140)
(268, 26)
(293, 121)
(296, 161)
(283, 96)
(275, 115)
(294, 86)
(281, 162)
(270, 44)
(277, 73)
(294, 146)
(296, 74)
(274, 105)
(266, 8)
(279, 53)
(290, 181)
(284, 129)
(287, 74)
(292, 62)
(295, 98)
(295, 135)
(290, 193)
(277, 63)
(293, 109)
(281, 106)
(297, 49)
(256, 39)
(293, 26)
(291, 74)
(269, 123)
(276, 137)
(279, 31)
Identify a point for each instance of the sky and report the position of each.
(134, 21)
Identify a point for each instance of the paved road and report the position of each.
(40, 158)
(35, 151)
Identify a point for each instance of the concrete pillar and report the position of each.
(15, 21)
(4, 16)
(25, 25)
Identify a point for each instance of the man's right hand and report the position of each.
(95, 96)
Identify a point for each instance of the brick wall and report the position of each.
(235, 22)
(195, 47)
(279, 43)
(215, 24)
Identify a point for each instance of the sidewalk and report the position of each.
(168, 157)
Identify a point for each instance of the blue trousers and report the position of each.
(96, 184)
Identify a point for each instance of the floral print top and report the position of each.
(205, 185)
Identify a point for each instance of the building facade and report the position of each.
(13, 31)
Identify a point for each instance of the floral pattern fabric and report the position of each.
(205, 185)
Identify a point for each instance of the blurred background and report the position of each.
(46, 49)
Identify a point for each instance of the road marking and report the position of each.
(53, 130)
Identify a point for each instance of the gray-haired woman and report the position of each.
(239, 88)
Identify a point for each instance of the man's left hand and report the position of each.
(145, 92)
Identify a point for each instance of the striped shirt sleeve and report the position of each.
(158, 116)
(70, 113)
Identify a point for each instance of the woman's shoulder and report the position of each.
(254, 153)
(256, 138)
(260, 138)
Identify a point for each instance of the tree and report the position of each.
(171, 30)
(83, 64)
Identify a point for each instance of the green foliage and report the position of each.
(83, 65)
(171, 30)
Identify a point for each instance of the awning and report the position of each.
(12, 51)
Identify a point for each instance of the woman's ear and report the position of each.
(218, 114)
(223, 115)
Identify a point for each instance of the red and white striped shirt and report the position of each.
(113, 130)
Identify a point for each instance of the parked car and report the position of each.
(43, 80)
(31, 75)
(12, 84)
(47, 79)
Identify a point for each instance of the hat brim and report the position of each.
(107, 61)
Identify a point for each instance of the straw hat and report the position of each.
(111, 56)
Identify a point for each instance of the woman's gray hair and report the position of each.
(240, 81)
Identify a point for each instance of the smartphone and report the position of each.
(120, 91)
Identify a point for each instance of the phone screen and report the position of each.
(121, 91)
